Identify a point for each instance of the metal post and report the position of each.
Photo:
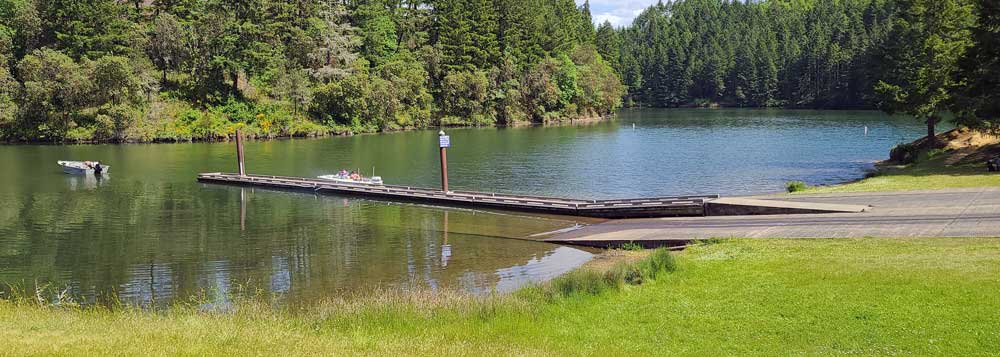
(239, 152)
(444, 143)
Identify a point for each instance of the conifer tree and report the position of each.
(921, 58)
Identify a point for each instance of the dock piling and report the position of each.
(239, 152)
(444, 141)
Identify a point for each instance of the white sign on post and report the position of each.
(445, 141)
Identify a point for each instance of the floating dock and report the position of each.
(681, 206)
(677, 206)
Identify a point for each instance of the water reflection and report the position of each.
(243, 209)
(86, 182)
(151, 245)
(445, 247)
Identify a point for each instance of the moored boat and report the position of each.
(352, 178)
(83, 167)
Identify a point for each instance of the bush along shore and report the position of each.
(801, 296)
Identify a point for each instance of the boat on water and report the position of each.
(352, 178)
(84, 167)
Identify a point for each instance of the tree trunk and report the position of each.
(931, 135)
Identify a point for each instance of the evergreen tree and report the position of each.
(978, 98)
(921, 58)
(608, 44)
(586, 24)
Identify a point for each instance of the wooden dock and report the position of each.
(680, 206)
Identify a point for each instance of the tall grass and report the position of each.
(594, 282)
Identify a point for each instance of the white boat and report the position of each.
(346, 178)
(82, 167)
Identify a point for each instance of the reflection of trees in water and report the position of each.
(155, 242)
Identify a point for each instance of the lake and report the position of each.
(149, 234)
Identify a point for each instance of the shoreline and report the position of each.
(714, 289)
(332, 134)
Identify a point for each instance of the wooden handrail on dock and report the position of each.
(618, 208)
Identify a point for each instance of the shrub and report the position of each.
(626, 273)
(304, 128)
(796, 186)
(80, 133)
(930, 154)
(905, 153)
(630, 246)
(660, 261)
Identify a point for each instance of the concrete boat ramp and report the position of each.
(940, 213)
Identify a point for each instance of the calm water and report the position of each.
(148, 233)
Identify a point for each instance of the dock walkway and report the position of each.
(678, 206)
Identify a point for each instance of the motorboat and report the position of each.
(83, 167)
(357, 179)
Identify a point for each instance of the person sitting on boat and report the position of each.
(355, 176)
(343, 173)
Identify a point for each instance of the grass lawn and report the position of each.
(861, 296)
(931, 174)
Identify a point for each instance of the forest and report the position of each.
(178, 70)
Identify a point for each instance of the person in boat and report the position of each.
(355, 176)
(343, 173)
(98, 169)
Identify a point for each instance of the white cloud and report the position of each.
(619, 13)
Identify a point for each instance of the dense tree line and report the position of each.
(977, 99)
(189, 69)
(790, 53)
(930, 59)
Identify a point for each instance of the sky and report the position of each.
(619, 12)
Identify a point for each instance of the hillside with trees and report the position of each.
(778, 53)
(144, 70)
(149, 70)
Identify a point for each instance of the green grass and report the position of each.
(795, 186)
(858, 296)
(929, 174)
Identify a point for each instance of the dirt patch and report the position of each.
(965, 138)
(960, 147)
(969, 147)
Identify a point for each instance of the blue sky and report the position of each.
(619, 12)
